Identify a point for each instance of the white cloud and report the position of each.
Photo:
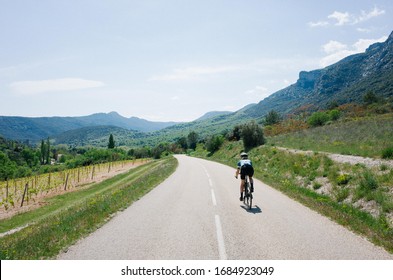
(333, 47)
(318, 23)
(336, 51)
(364, 30)
(341, 18)
(192, 73)
(345, 18)
(65, 84)
(366, 16)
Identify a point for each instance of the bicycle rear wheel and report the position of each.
(247, 195)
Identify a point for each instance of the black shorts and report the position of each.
(246, 170)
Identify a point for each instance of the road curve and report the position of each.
(196, 214)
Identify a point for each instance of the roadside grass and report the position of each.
(366, 136)
(342, 192)
(72, 216)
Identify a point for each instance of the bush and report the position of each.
(213, 143)
(343, 179)
(334, 114)
(252, 135)
(387, 153)
(318, 119)
(272, 118)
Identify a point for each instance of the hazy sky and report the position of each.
(170, 60)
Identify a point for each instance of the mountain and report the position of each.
(212, 114)
(35, 129)
(343, 82)
(97, 136)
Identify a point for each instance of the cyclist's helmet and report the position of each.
(243, 155)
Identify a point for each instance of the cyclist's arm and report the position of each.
(237, 172)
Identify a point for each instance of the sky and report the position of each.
(171, 60)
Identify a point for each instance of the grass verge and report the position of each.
(72, 216)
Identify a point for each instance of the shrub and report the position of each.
(367, 186)
(387, 153)
(334, 114)
(272, 118)
(317, 185)
(252, 135)
(213, 143)
(343, 179)
(318, 119)
(369, 182)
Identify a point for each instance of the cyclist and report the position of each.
(244, 167)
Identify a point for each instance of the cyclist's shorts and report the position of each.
(246, 170)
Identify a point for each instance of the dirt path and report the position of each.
(369, 162)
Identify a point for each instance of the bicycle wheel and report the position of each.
(245, 200)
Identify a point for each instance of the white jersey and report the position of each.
(244, 162)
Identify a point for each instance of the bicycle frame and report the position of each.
(247, 200)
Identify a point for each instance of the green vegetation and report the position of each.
(252, 135)
(69, 217)
(19, 160)
(353, 195)
(387, 153)
(111, 143)
(322, 117)
(369, 136)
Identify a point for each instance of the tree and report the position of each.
(213, 143)
(47, 151)
(252, 135)
(8, 168)
(370, 97)
(235, 134)
(192, 140)
(182, 142)
(111, 144)
(272, 118)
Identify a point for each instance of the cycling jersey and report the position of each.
(244, 162)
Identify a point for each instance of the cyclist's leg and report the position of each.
(242, 183)
(241, 189)
(251, 173)
(251, 183)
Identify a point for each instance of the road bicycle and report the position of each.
(247, 194)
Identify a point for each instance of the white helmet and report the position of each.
(243, 154)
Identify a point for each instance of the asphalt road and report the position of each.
(196, 214)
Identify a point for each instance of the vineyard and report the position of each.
(19, 194)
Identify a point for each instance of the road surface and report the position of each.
(196, 214)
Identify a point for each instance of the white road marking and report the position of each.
(220, 236)
(214, 198)
(220, 239)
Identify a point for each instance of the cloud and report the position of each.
(318, 23)
(345, 18)
(333, 47)
(192, 73)
(366, 16)
(336, 51)
(341, 18)
(66, 84)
